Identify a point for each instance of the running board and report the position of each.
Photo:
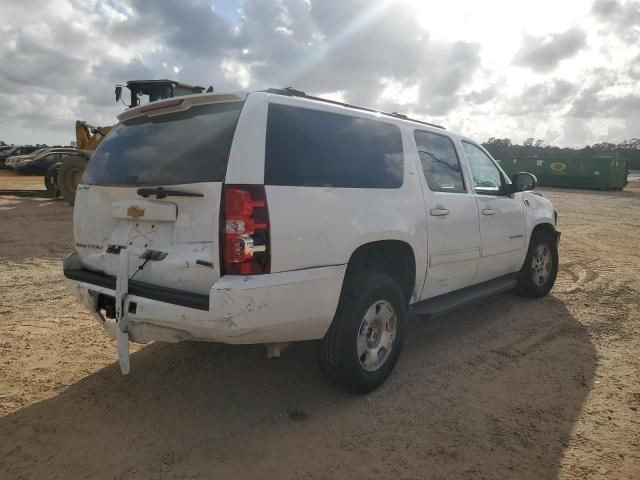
(451, 301)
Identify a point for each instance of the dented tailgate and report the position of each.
(153, 188)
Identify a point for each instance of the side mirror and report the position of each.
(118, 93)
(523, 181)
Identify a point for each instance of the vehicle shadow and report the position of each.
(490, 391)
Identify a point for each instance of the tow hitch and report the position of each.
(122, 288)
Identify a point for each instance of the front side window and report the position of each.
(440, 163)
(486, 176)
(313, 148)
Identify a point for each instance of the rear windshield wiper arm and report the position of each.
(161, 192)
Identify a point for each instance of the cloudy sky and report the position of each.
(566, 71)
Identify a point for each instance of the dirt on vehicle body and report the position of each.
(501, 389)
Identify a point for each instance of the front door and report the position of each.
(502, 217)
(453, 234)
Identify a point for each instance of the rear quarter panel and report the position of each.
(322, 226)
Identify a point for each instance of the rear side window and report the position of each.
(440, 163)
(183, 147)
(312, 148)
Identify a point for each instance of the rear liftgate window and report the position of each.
(311, 148)
(183, 147)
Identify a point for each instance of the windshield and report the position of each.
(183, 147)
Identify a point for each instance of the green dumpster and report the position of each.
(590, 173)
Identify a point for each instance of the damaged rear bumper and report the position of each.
(277, 307)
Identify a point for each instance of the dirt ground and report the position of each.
(14, 181)
(506, 388)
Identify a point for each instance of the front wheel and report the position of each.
(365, 339)
(538, 274)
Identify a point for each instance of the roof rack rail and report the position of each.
(292, 92)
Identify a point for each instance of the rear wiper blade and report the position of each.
(161, 192)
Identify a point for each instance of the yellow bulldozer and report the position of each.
(65, 176)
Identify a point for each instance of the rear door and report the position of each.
(183, 148)
(452, 216)
(502, 217)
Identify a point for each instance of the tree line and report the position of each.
(503, 148)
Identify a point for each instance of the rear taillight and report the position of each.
(245, 230)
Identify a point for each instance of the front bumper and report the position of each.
(277, 307)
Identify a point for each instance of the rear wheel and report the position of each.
(69, 175)
(51, 180)
(540, 268)
(364, 341)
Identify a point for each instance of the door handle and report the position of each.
(488, 211)
(439, 212)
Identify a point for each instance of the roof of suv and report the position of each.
(292, 92)
(179, 103)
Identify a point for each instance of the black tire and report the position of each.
(339, 360)
(51, 180)
(531, 279)
(69, 175)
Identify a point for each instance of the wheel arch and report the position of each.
(547, 226)
(392, 257)
(544, 223)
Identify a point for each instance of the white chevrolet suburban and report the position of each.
(273, 216)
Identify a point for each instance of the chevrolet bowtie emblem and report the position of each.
(135, 212)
